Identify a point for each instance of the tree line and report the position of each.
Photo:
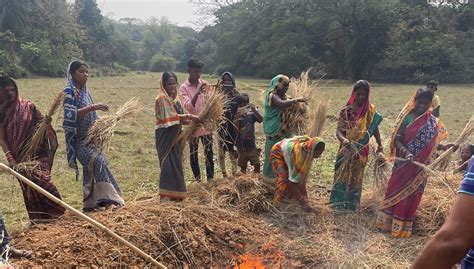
(382, 40)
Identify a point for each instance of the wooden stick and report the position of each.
(82, 216)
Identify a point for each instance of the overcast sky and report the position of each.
(180, 12)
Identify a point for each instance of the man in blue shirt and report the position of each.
(454, 241)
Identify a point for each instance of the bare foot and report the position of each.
(19, 253)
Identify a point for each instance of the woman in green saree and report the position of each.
(358, 122)
(275, 101)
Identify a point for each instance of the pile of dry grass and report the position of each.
(247, 193)
(436, 203)
(211, 116)
(38, 138)
(100, 134)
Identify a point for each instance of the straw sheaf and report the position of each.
(211, 116)
(101, 133)
(38, 138)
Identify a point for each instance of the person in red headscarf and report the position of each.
(358, 122)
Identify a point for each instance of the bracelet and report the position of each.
(8, 152)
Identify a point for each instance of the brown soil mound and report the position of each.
(232, 222)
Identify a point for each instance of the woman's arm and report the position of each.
(5, 147)
(401, 148)
(342, 127)
(187, 118)
(378, 139)
(83, 111)
(280, 103)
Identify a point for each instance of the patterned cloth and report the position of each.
(358, 126)
(407, 182)
(20, 124)
(168, 127)
(100, 186)
(272, 121)
(291, 161)
(467, 187)
(4, 237)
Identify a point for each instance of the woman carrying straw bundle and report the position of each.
(100, 187)
(275, 101)
(228, 131)
(291, 162)
(18, 121)
(170, 116)
(358, 122)
(416, 136)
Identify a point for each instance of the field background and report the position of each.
(133, 158)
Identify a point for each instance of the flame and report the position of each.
(267, 257)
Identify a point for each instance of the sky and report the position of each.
(180, 12)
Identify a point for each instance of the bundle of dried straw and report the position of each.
(101, 132)
(295, 118)
(211, 116)
(37, 139)
(318, 118)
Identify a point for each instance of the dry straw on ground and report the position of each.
(225, 220)
(37, 140)
(100, 134)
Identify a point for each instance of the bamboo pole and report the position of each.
(83, 216)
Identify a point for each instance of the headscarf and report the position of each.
(298, 153)
(165, 112)
(272, 115)
(232, 78)
(365, 107)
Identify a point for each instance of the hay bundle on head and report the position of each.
(440, 163)
(102, 131)
(37, 139)
(211, 116)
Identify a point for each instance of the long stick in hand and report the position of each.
(82, 216)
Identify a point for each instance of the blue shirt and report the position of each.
(467, 187)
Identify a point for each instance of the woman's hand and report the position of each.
(100, 106)
(193, 118)
(409, 157)
(12, 163)
(345, 141)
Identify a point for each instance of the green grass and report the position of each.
(133, 158)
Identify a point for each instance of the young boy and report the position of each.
(466, 152)
(245, 119)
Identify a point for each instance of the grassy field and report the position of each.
(132, 155)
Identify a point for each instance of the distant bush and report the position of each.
(160, 63)
(96, 70)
